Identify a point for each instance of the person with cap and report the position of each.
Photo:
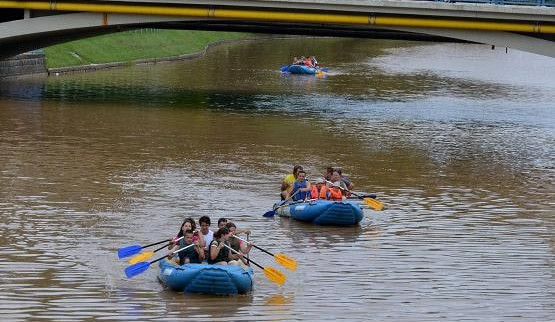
(334, 189)
(316, 187)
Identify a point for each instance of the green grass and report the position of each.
(131, 45)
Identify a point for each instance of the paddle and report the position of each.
(371, 202)
(281, 259)
(134, 249)
(368, 195)
(272, 212)
(146, 255)
(284, 203)
(136, 269)
(271, 273)
(365, 195)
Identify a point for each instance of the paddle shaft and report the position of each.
(165, 240)
(168, 244)
(272, 212)
(173, 253)
(134, 249)
(247, 253)
(262, 249)
(373, 203)
(285, 202)
(250, 260)
(345, 190)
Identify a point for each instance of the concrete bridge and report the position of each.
(28, 25)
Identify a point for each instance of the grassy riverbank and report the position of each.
(131, 45)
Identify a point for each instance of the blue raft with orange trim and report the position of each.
(206, 278)
(324, 212)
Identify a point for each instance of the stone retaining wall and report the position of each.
(24, 64)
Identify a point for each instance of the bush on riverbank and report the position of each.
(131, 45)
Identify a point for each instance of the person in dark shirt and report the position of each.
(194, 254)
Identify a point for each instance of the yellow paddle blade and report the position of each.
(142, 257)
(374, 204)
(274, 275)
(286, 261)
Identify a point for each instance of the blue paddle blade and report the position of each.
(325, 70)
(136, 269)
(129, 250)
(284, 68)
(270, 213)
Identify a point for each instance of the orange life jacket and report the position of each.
(335, 194)
(324, 193)
(332, 193)
(314, 193)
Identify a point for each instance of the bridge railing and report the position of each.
(545, 3)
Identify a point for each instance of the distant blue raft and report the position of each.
(324, 212)
(302, 69)
(206, 278)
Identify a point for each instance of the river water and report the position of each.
(457, 140)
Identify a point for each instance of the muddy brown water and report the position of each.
(457, 140)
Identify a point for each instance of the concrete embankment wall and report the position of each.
(24, 64)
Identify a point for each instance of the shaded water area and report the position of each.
(457, 140)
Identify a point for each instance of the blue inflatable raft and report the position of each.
(302, 69)
(324, 212)
(206, 278)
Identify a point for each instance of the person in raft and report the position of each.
(193, 254)
(219, 253)
(188, 224)
(316, 187)
(334, 188)
(349, 184)
(222, 222)
(301, 188)
(288, 181)
(328, 173)
(238, 245)
(205, 233)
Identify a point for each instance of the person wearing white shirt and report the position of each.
(208, 235)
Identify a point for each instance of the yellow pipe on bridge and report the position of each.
(267, 15)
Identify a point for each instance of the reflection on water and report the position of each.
(458, 141)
